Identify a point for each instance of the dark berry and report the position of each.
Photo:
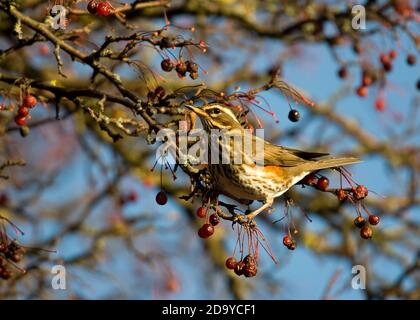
(194, 75)
(366, 232)
(181, 69)
(323, 183)
(230, 263)
(132, 196)
(23, 111)
(103, 9)
(310, 179)
(292, 246)
(359, 222)
(374, 219)
(294, 115)
(201, 212)
(167, 65)
(418, 84)
(29, 101)
(411, 59)
(20, 120)
(366, 81)
(192, 67)
(384, 58)
(202, 233)
(214, 219)
(387, 66)
(3, 247)
(161, 198)
(343, 72)
(92, 6)
(239, 268)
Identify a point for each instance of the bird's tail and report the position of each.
(330, 163)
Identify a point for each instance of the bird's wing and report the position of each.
(285, 157)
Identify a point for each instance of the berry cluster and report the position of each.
(10, 253)
(181, 67)
(29, 102)
(102, 8)
(248, 266)
(207, 229)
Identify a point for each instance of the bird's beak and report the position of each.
(197, 110)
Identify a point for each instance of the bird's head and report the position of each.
(216, 116)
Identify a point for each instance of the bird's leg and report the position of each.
(268, 203)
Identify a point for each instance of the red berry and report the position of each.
(366, 232)
(362, 91)
(287, 241)
(359, 222)
(23, 111)
(374, 219)
(92, 6)
(214, 219)
(393, 54)
(208, 229)
(20, 120)
(103, 9)
(380, 104)
(230, 263)
(250, 271)
(201, 212)
(161, 198)
(411, 59)
(384, 58)
(239, 268)
(366, 81)
(29, 101)
(323, 183)
(132, 196)
(202, 234)
(181, 69)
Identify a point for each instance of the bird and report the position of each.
(264, 174)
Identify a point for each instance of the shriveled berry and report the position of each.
(411, 59)
(20, 120)
(366, 232)
(323, 183)
(362, 91)
(341, 195)
(374, 219)
(167, 65)
(231, 263)
(287, 241)
(92, 6)
(360, 192)
(29, 101)
(249, 260)
(359, 222)
(387, 66)
(103, 9)
(161, 198)
(23, 111)
(294, 115)
(194, 75)
(250, 271)
(239, 268)
(292, 246)
(201, 212)
(214, 219)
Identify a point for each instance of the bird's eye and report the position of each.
(216, 111)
